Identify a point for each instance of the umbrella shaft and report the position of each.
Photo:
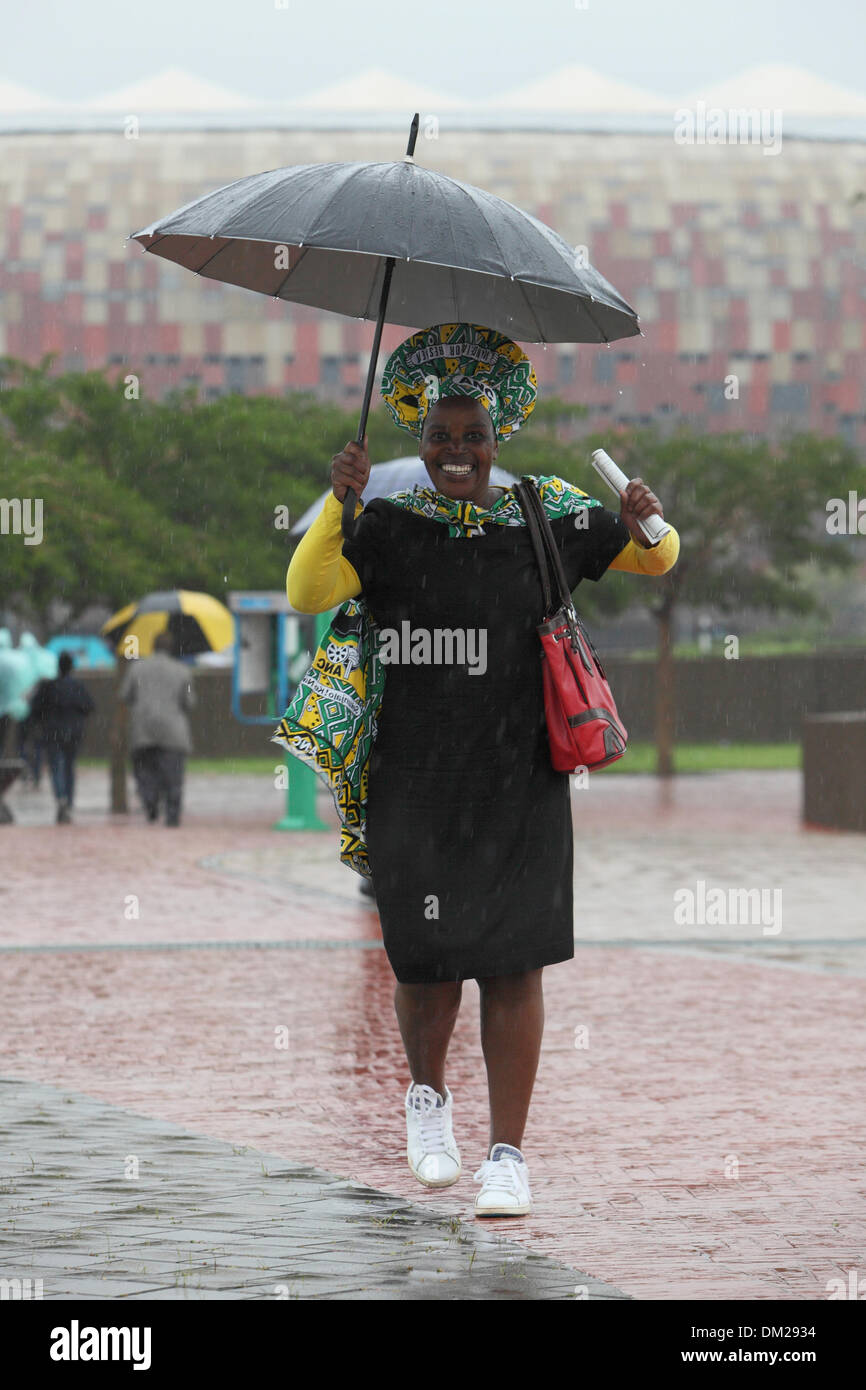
(351, 497)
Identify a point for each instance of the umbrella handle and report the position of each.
(349, 504)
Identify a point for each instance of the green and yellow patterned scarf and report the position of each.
(331, 721)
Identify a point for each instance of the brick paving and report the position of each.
(101, 1203)
(704, 1142)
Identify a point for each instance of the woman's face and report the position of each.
(458, 446)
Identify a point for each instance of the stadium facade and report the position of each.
(747, 265)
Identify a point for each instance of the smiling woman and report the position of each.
(468, 825)
(458, 446)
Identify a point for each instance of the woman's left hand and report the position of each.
(637, 503)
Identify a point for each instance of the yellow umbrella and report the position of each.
(197, 622)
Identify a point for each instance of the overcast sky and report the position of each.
(75, 49)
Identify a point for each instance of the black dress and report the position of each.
(469, 828)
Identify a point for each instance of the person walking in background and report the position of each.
(29, 746)
(159, 691)
(57, 712)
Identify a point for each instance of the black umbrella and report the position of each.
(363, 239)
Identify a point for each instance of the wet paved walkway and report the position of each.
(101, 1203)
(696, 1129)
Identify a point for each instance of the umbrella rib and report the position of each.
(534, 316)
(594, 320)
(303, 250)
(260, 192)
(346, 181)
(218, 252)
(586, 302)
(541, 338)
(451, 268)
(355, 173)
(477, 203)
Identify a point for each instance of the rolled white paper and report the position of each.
(655, 526)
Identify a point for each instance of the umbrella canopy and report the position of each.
(369, 239)
(197, 622)
(320, 234)
(391, 477)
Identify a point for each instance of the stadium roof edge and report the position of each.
(56, 122)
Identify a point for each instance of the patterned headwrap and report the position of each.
(459, 359)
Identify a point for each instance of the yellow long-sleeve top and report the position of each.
(320, 577)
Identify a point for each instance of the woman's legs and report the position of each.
(512, 1022)
(426, 1015)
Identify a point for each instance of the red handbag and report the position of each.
(583, 725)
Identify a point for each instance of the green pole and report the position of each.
(302, 781)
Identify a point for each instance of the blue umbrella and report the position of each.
(87, 650)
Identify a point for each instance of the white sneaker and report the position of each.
(433, 1155)
(505, 1183)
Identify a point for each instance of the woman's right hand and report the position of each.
(350, 469)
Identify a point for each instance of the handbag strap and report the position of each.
(546, 551)
(522, 490)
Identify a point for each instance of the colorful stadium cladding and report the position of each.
(749, 273)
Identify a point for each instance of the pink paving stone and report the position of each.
(693, 1057)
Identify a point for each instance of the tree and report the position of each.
(751, 517)
(102, 541)
(141, 494)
